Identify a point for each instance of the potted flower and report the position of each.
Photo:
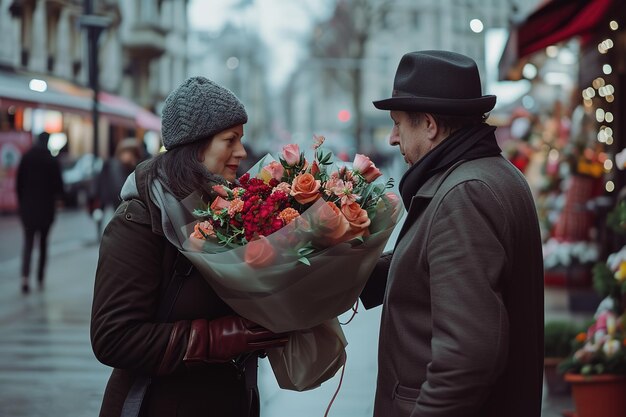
(558, 336)
(597, 368)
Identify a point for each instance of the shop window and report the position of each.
(25, 55)
(52, 17)
(76, 67)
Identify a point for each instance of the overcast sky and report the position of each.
(283, 24)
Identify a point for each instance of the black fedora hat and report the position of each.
(439, 82)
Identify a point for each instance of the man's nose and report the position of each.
(394, 140)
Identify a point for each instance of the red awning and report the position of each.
(65, 96)
(143, 118)
(554, 21)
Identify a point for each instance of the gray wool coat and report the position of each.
(462, 322)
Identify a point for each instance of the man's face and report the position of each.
(412, 136)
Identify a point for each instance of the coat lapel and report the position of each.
(420, 201)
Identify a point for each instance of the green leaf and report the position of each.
(306, 251)
(305, 261)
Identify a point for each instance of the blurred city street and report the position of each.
(47, 367)
(92, 79)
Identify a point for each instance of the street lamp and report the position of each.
(95, 25)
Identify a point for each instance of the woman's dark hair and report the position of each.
(180, 170)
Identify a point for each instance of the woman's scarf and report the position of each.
(173, 212)
(465, 144)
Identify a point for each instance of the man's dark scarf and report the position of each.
(465, 144)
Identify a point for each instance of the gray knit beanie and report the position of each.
(199, 109)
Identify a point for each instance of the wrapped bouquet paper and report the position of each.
(291, 247)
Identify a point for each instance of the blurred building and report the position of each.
(237, 58)
(44, 74)
(354, 55)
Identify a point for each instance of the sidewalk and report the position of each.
(47, 367)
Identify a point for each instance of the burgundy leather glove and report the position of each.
(223, 339)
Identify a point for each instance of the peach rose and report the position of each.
(331, 226)
(357, 217)
(219, 204)
(220, 190)
(272, 170)
(201, 231)
(259, 253)
(305, 188)
(291, 154)
(364, 166)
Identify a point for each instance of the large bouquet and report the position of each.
(291, 245)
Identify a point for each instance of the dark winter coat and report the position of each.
(462, 322)
(38, 185)
(136, 262)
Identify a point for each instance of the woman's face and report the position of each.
(224, 152)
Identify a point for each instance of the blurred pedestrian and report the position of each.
(177, 348)
(111, 178)
(461, 331)
(39, 184)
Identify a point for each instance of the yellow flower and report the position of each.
(620, 274)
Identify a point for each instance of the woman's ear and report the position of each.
(202, 150)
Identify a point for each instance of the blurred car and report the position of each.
(79, 177)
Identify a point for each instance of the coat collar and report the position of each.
(430, 187)
(420, 201)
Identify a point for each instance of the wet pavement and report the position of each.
(47, 367)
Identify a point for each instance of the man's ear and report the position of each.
(432, 128)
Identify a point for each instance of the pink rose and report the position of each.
(394, 200)
(259, 253)
(291, 154)
(357, 217)
(272, 170)
(364, 166)
(283, 187)
(219, 204)
(318, 141)
(331, 226)
(305, 188)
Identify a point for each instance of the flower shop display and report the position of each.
(597, 366)
(290, 246)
